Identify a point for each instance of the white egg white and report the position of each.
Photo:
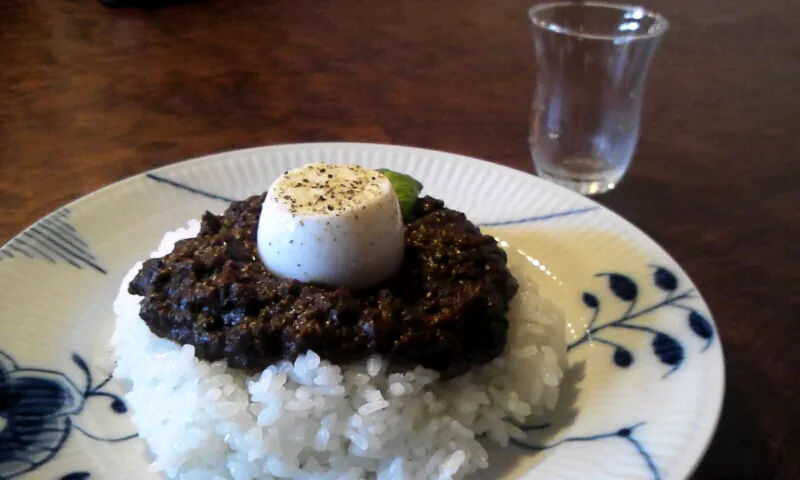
(337, 225)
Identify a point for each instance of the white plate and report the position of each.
(642, 398)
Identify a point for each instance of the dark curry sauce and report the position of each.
(445, 309)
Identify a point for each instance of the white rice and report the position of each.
(314, 420)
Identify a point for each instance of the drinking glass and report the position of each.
(592, 59)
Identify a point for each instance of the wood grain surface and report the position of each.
(91, 95)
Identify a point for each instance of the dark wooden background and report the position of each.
(92, 95)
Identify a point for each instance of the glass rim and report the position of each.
(661, 22)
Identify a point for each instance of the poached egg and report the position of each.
(336, 225)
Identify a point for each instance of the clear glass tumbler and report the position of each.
(592, 60)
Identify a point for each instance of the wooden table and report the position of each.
(91, 95)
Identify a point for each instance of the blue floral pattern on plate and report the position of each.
(38, 408)
(53, 239)
(665, 347)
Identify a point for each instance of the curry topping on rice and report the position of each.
(445, 309)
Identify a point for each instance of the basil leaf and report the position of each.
(406, 188)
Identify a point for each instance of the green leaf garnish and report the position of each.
(406, 188)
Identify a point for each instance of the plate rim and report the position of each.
(699, 442)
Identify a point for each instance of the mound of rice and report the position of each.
(314, 420)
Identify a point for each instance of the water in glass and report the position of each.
(591, 60)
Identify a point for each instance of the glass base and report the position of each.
(584, 186)
(584, 174)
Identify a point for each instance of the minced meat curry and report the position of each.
(445, 309)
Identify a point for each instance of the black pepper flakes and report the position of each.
(330, 208)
